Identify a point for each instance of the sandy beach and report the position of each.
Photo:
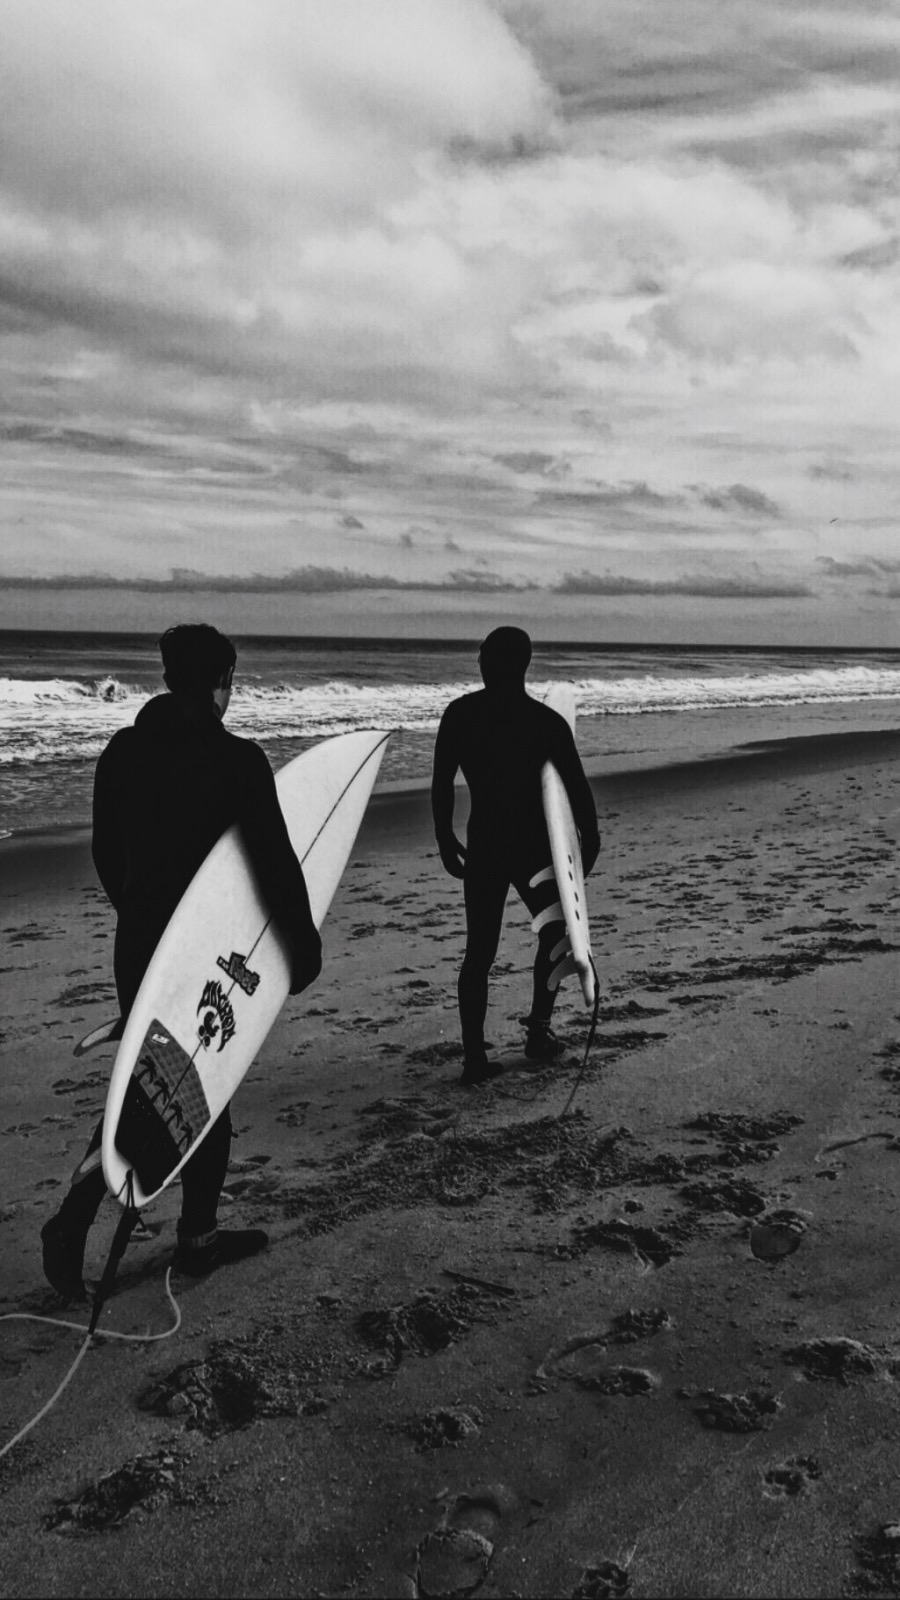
(648, 1348)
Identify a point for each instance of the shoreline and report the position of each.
(401, 803)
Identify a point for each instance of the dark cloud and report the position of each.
(301, 580)
(738, 497)
(70, 438)
(606, 495)
(643, 58)
(703, 57)
(339, 461)
(707, 588)
(881, 257)
(867, 567)
(480, 582)
(586, 418)
(832, 472)
(664, 86)
(533, 461)
(510, 152)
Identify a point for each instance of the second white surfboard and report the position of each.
(573, 954)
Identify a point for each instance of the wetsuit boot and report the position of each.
(541, 1043)
(64, 1236)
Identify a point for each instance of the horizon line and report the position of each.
(426, 641)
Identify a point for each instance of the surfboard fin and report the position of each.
(562, 970)
(553, 913)
(546, 875)
(560, 948)
(107, 1033)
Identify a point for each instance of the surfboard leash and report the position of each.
(124, 1230)
(80, 1327)
(592, 1034)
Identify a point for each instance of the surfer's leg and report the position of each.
(541, 1043)
(202, 1244)
(202, 1178)
(485, 897)
(64, 1236)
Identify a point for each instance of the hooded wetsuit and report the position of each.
(164, 791)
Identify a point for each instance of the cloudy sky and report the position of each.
(410, 314)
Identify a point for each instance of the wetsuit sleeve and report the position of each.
(107, 843)
(444, 770)
(568, 764)
(278, 871)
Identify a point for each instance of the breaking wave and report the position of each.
(66, 719)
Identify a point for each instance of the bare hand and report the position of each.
(453, 855)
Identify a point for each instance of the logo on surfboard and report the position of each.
(218, 1017)
(237, 968)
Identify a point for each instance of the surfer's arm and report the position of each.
(107, 844)
(279, 873)
(445, 768)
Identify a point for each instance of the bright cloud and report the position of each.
(559, 286)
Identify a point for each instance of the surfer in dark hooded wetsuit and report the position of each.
(499, 738)
(165, 790)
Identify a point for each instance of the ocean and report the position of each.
(63, 695)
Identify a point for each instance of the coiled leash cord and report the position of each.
(117, 1249)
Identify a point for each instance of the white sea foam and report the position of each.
(62, 719)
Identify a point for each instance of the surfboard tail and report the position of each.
(588, 979)
(568, 967)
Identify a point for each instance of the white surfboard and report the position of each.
(221, 973)
(573, 952)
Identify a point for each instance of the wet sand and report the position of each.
(648, 1348)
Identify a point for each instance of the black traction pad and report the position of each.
(164, 1110)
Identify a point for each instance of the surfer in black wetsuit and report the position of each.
(164, 792)
(499, 738)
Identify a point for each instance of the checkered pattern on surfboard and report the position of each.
(169, 1078)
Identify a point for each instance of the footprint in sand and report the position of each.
(791, 1477)
(778, 1234)
(446, 1427)
(583, 1360)
(455, 1558)
(736, 1413)
(606, 1581)
(835, 1360)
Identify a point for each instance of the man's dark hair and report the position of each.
(505, 653)
(195, 657)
